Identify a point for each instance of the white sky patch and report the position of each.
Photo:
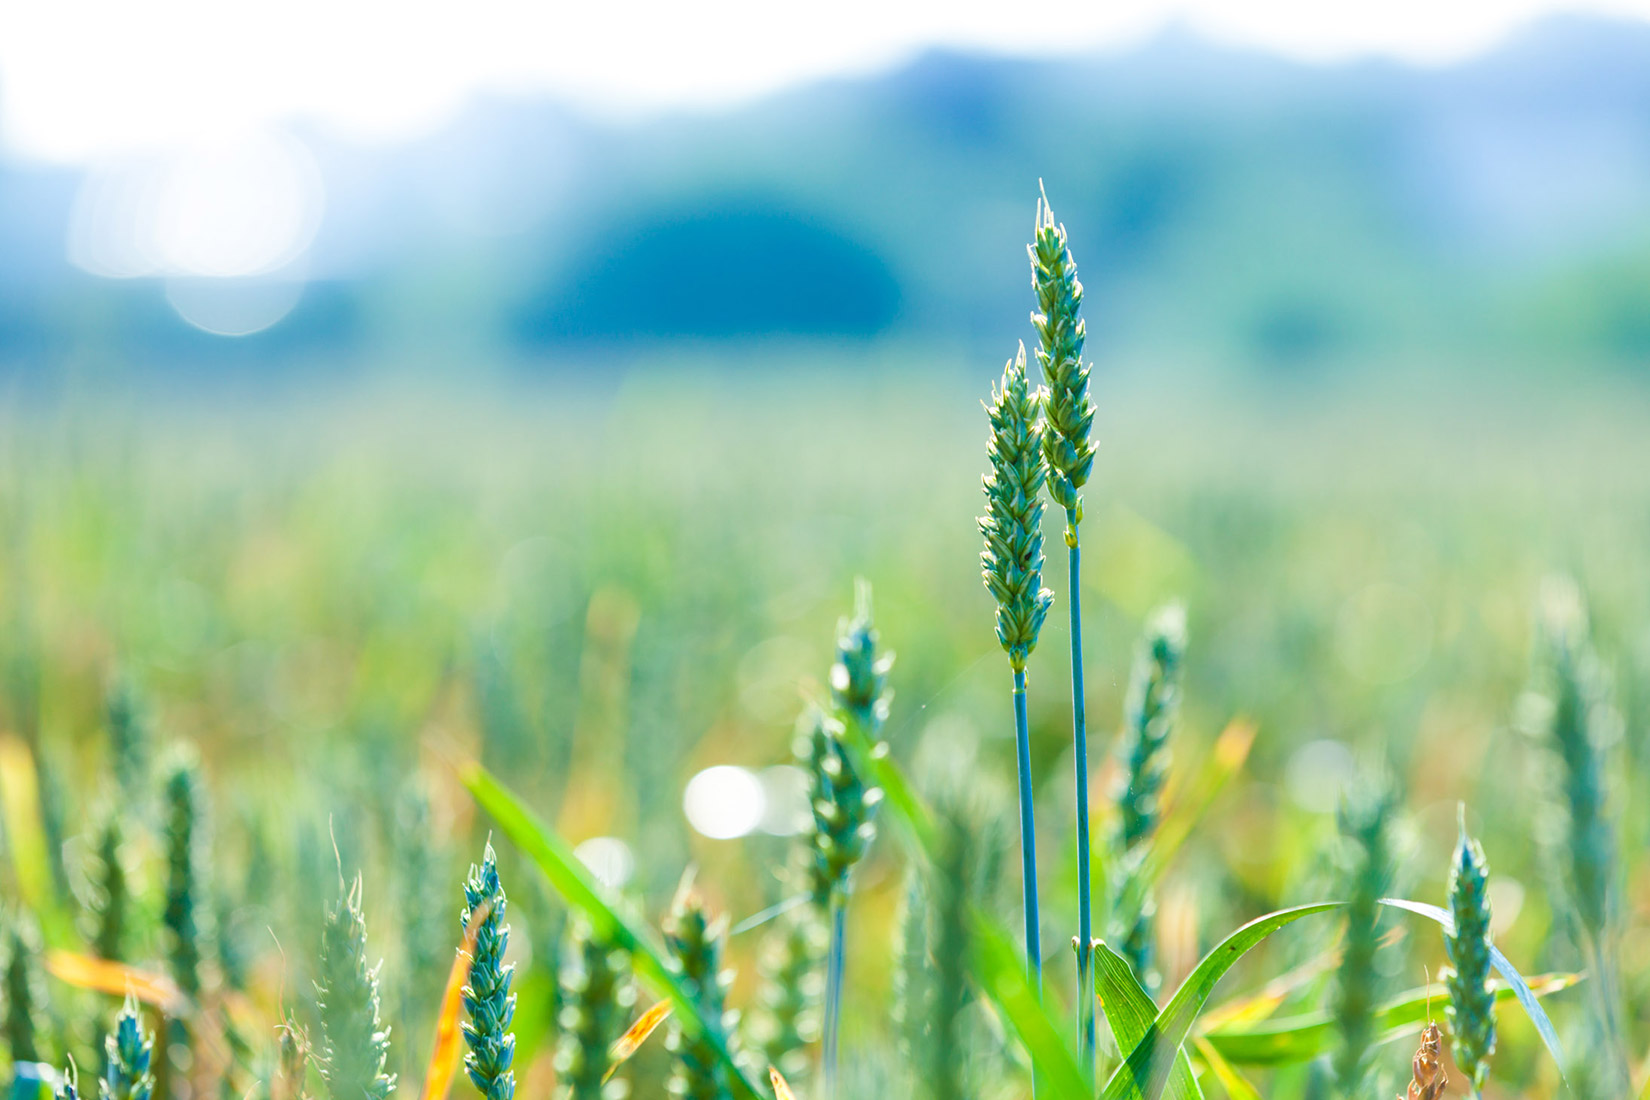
(82, 80)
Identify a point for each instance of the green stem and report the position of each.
(1080, 745)
(833, 991)
(1028, 832)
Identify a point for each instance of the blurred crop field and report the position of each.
(602, 585)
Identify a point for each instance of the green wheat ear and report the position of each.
(696, 944)
(488, 1002)
(1067, 411)
(844, 807)
(24, 990)
(1365, 818)
(108, 890)
(186, 916)
(1150, 711)
(1582, 725)
(1471, 1010)
(859, 676)
(129, 740)
(597, 998)
(127, 1053)
(792, 987)
(1012, 561)
(356, 1045)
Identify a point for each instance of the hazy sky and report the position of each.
(83, 79)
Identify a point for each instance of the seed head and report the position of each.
(1427, 1069)
(696, 943)
(1012, 561)
(792, 986)
(488, 1002)
(1581, 727)
(1366, 825)
(844, 805)
(1067, 410)
(187, 914)
(1471, 1010)
(859, 676)
(597, 998)
(127, 1053)
(108, 891)
(1150, 712)
(356, 1045)
(25, 992)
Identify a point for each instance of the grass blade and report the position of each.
(555, 858)
(1503, 966)
(1130, 1012)
(1000, 971)
(633, 1038)
(1303, 1037)
(444, 1052)
(781, 1089)
(1236, 1085)
(1145, 1074)
(118, 979)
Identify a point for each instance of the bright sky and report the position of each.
(84, 79)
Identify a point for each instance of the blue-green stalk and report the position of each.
(69, 1088)
(596, 1003)
(1012, 564)
(1068, 419)
(356, 1046)
(25, 992)
(489, 1005)
(127, 1053)
(1366, 825)
(696, 943)
(1471, 1010)
(1150, 711)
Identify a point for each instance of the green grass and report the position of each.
(337, 596)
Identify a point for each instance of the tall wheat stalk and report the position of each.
(1068, 417)
(1012, 564)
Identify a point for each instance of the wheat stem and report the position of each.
(1028, 832)
(1080, 748)
(833, 992)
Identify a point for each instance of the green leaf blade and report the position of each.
(1145, 1074)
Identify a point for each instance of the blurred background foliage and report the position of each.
(1259, 216)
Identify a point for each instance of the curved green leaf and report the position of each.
(1145, 1074)
(1504, 967)
(1295, 1039)
(554, 856)
(1237, 1086)
(1130, 1013)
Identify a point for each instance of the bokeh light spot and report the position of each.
(724, 802)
